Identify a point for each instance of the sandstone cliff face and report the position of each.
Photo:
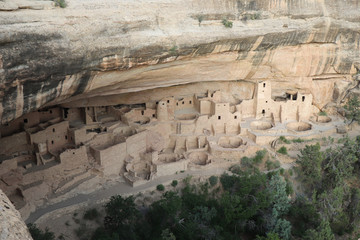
(112, 48)
(12, 226)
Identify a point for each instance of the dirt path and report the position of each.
(119, 188)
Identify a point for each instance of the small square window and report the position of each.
(168, 101)
(219, 117)
(25, 120)
(235, 117)
(53, 129)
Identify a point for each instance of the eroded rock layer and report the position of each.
(12, 227)
(92, 49)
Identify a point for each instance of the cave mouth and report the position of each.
(260, 125)
(299, 126)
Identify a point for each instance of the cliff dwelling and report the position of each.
(105, 97)
(48, 152)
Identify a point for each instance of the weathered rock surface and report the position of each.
(12, 227)
(112, 48)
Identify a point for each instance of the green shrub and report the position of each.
(290, 171)
(289, 187)
(200, 18)
(174, 183)
(255, 16)
(259, 156)
(227, 23)
(284, 140)
(81, 231)
(60, 3)
(298, 140)
(272, 165)
(235, 169)
(322, 113)
(38, 234)
(160, 187)
(213, 180)
(245, 161)
(282, 150)
(91, 214)
(282, 171)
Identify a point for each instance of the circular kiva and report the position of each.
(299, 126)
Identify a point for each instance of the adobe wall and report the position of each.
(101, 139)
(192, 143)
(223, 121)
(90, 115)
(72, 158)
(163, 169)
(20, 124)
(79, 136)
(74, 114)
(297, 106)
(202, 123)
(180, 145)
(162, 112)
(136, 115)
(262, 99)
(205, 107)
(48, 114)
(13, 143)
(187, 127)
(112, 159)
(56, 136)
(185, 102)
(247, 108)
(136, 144)
(155, 141)
(95, 153)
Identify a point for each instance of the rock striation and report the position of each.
(91, 49)
(12, 227)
